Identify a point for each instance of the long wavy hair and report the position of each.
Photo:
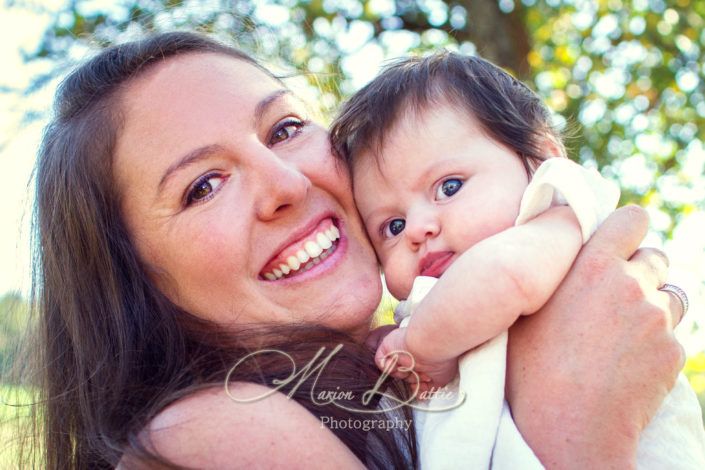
(112, 351)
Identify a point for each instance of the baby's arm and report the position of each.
(486, 289)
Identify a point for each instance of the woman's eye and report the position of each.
(394, 228)
(286, 130)
(204, 188)
(448, 188)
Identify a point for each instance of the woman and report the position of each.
(176, 173)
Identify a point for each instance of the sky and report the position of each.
(21, 30)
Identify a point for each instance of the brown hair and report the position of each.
(112, 350)
(507, 109)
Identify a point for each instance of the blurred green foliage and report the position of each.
(628, 73)
(14, 315)
(695, 371)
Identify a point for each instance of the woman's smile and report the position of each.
(307, 252)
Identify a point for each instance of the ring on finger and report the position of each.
(680, 295)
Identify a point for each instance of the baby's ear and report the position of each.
(551, 146)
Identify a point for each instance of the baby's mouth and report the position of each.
(434, 264)
(304, 254)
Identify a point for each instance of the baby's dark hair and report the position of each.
(506, 108)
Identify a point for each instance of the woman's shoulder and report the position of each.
(247, 425)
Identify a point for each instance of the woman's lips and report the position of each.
(434, 264)
(305, 253)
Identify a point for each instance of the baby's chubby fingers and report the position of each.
(391, 365)
(421, 389)
(414, 377)
(383, 358)
(392, 357)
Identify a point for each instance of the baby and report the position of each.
(475, 224)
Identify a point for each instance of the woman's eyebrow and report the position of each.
(266, 102)
(190, 158)
(206, 151)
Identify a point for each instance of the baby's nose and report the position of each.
(421, 227)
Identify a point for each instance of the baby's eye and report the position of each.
(286, 130)
(204, 188)
(448, 188)
(394, 228)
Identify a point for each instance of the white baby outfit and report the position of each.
(481, 433)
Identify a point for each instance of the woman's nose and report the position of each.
(421, 226)
(282, 185)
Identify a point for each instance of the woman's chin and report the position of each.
(369, 294)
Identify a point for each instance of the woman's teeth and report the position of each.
(314, 250)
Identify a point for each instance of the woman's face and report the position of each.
(226, 186)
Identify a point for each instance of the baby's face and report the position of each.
(441, 186)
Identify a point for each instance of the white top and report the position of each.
(480, 433)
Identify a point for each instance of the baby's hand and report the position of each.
(394, 357)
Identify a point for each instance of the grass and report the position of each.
(11, 418)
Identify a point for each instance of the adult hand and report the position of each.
(589, 370)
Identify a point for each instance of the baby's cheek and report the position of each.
(398, 279)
